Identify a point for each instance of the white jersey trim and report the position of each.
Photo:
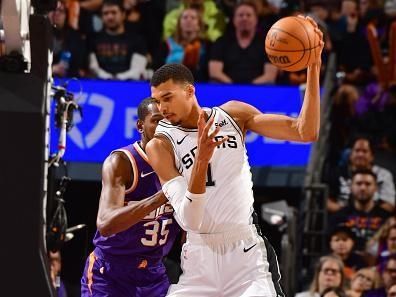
(140, 151)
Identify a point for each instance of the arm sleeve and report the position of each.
(189, 207)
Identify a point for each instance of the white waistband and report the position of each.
(238, 233)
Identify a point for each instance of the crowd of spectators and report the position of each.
(219, 40)
(222, 41)
(360, 164)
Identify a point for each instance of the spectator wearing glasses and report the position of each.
(388, 278)
(329, 273)
(363, 280)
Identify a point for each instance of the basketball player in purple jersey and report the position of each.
(136, 228)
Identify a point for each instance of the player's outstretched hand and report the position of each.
(206, 140)
(319, 35)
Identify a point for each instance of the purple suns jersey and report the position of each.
(154, 235)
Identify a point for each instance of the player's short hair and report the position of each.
(176, 72)
(143, 109)
(364, 171)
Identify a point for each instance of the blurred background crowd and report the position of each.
(222, 41)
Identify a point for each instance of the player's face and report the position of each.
(363, 187)
(361, 155)
(151, 121)
(174, 100)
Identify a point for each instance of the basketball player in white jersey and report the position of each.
(200, 157)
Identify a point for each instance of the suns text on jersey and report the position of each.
(156, 213)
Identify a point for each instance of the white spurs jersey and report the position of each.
(229, 180)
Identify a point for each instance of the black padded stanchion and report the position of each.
(24, 104)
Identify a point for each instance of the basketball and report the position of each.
(292, 44)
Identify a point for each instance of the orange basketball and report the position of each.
(292, 44)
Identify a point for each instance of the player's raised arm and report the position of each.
(304, 128)
(113, 216)
(188, 200)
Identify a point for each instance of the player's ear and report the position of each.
(190, 89)
(139, 126)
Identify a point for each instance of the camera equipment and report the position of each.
(57, 232)
(64, 111)
(57, 227)
(65, 107)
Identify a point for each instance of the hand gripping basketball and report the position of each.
(294, 43)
